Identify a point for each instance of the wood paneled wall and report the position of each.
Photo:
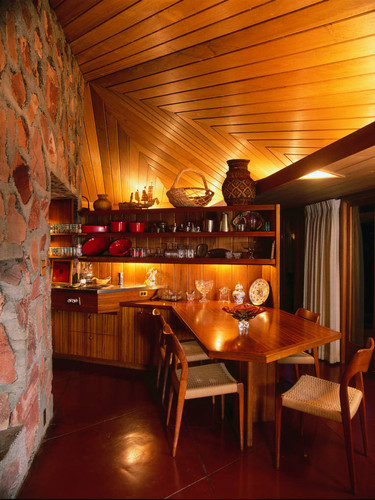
(183, 276)
(129, 145)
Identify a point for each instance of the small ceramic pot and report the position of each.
(136, 227)
(102, 203)
(118, 226)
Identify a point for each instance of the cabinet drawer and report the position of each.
(103, 346)
(105, 323)
(86, 335)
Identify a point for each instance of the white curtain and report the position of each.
(321, 290)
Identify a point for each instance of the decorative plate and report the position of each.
(259, 291)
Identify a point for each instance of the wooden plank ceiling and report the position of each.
(189, 84)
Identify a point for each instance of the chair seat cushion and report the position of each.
(320, 397)
(193, 351)
(209, 380)
(301, 358)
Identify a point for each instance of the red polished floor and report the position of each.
(108, 440)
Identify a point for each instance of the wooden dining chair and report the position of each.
(192, 350)
(304, 358)
(338, 402)
(190, 382)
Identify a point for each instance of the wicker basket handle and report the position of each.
(189, 170)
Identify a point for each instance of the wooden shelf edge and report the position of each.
(234, 208)
(180, 234)
(164, 260)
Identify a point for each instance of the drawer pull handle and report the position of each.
(74, 300)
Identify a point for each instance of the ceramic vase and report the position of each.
(238, 187)
(102, 203)
(238, 294)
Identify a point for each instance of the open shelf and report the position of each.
(181, 234)
(164, 260)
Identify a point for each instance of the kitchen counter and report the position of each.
(91, 288)
(98, 298)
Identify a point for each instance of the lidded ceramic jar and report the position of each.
(238, 294)
(102, 203)
(238, 188)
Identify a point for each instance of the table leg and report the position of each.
(249, 404)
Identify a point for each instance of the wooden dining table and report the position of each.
(272, 335)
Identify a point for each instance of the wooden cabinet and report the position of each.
(93, 336)
(87, 325)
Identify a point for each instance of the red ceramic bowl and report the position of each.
(118, 226)
(94, 229)
(120, 247)
(94, 246)
(136, 227)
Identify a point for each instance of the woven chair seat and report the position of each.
(209, 380)
(300, 358)
(320, 397)
(193, 351)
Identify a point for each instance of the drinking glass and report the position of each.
(204, 287)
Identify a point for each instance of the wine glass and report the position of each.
(203, 287)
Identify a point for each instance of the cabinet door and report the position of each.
(88, 335)
(102, 336)
(60, 339)
(137, 336)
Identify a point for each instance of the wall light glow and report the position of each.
(319, 174)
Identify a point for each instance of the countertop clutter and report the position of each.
(91, 287)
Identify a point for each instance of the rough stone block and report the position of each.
(4, 411)
(34, 214)
(22, 134)
(38, 46)
(33, 106)
(34, 254)
(3, 59)
(52, 91)
(22, 180)
(25, 52)
(4, 167)
(18, 88)
(11, 36)
(12, 460)
(37, 164)
(7, 359)
(16, 226)
(26, 15)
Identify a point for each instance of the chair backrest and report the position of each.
(174, 349)
(159, 322)
(359, 364)
(306, 314)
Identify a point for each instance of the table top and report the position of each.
(273, 334)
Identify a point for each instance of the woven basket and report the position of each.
(189, 196)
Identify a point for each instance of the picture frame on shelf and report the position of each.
(61, 272)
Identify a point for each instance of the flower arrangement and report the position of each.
(244, 311)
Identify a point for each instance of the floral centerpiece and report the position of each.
(243, 313)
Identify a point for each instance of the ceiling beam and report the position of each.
(347, 146)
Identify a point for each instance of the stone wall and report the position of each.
(41, 120)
